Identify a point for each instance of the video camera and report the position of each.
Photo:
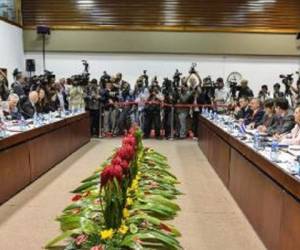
(287, 80)
(81, 80)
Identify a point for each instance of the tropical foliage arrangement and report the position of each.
(125, 204)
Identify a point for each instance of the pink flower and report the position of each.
(97, 248)
(80, 239)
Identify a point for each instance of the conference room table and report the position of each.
(26, 155)
(267, 192)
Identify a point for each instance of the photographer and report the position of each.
(152, 113)
(287, 80)
(19, 85)
(185, 97)
(296, 91)
(176, 78)
(105, 78)
(109, 98)
(276, 91)
(170, 95)
(92, 98)
(124, 119)
(76, 100)
(141, 94)
(221, 96)
(244, 90)
(264, 93)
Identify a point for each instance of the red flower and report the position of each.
(80, 239)
(125, 166)
(117, 172)
(126, 152)
(105, 175)
(130, 140)
(76, 197)
(110, 172)
(116, 160)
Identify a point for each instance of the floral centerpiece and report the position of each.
(125, 204)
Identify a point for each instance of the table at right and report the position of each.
(268, 196)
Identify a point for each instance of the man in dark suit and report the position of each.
(255, 118)
(243, 110)
(28, 107)
(18, 86)
(286, 120)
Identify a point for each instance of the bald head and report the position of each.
(33, 97)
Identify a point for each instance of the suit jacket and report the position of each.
(27, 109)
(243, 113)
(285, 124)
(270, 122)
(255, 117)
(18, 89)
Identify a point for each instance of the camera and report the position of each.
(81, 80)
(209, 83)
(86, 66)
(286, 79)
(193, 70)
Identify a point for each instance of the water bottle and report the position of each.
(23, 124)
(210, 115)
(298, 164)
(255, 139)
(295, 166)
(215, 116)
(35, 122)
(204, 112)
(274, 150)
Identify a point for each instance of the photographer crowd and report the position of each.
(170, 108)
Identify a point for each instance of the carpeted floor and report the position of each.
(209, 220)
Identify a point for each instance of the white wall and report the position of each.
(11, 48)
(258, 70)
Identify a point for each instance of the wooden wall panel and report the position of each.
(14, 170)
(226, 15)
(289, 235)
(259, 197)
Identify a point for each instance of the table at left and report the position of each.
(27, 155)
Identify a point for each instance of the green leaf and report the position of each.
(133, 228)
(85, 186)
(61, 237)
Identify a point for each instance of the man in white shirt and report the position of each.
(222, 95)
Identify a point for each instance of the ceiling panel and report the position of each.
(281, 16)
